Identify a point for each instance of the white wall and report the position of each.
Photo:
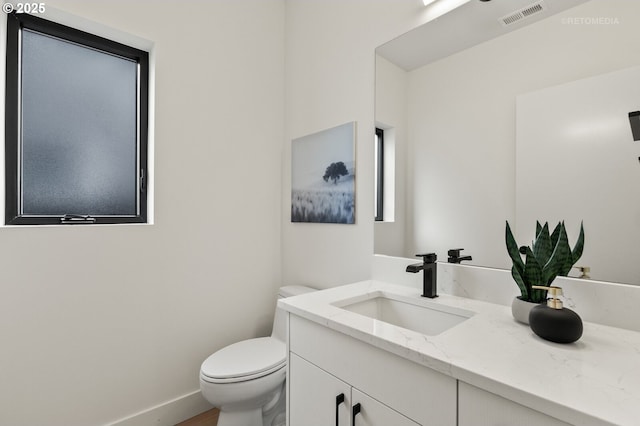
(391, 115)
(585, 124)
(330, 65)
(462, 121)
(98, 323)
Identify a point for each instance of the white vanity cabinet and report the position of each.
(477, 407)
(316, 398)
(320, 399)
(469, 375)
(390, 390)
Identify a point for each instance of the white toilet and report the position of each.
(245, 380)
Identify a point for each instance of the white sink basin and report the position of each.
(413, 313)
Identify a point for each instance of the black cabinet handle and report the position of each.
(339, 400)
(354, 412)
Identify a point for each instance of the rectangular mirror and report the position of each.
(458, 119)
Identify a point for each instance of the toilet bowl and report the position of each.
(246, 380)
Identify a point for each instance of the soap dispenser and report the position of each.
(553, 322)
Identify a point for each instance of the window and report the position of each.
(379, 175)
(76, 126)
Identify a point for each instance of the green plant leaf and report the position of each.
(520, 282)
(532, 270)
(555, 234)
(542, 247)
(512, 249)
(538, 228)
(561, 260)
(533, 276)
(566, 260)
(579, 247)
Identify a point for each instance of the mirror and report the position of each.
(464, 100)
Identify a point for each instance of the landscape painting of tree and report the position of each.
(323, 176)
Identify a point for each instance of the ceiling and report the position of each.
(470, 24)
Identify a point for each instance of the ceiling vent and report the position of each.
(523, 13)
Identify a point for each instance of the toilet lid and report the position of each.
(246, 358)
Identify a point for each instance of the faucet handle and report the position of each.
(584, 271)
(428, 258)
(454, 252)
(454, 256)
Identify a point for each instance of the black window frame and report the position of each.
(379, 216)
(15, 24)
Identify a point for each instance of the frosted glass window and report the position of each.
(78, 129)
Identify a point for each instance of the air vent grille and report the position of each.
(532, 9)
(523, 13)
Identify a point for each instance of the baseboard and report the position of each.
(168, 413)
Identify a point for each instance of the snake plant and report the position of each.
(549, 256)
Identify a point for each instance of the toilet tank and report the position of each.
(279, 321)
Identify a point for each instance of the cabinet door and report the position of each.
(370, 412)
(315, 396)
(477, 407)
(422, 394)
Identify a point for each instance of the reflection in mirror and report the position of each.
(457, 131)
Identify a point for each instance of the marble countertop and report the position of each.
(594, 381)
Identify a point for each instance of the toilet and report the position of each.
(246, 380)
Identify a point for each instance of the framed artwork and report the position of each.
(323, 186)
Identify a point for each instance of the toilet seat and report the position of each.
(215, 380)
(245, 360)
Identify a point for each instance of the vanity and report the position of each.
(360, 354)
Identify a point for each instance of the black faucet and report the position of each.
(454, 256)
(429, 279)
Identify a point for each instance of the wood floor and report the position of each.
(208, 418)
